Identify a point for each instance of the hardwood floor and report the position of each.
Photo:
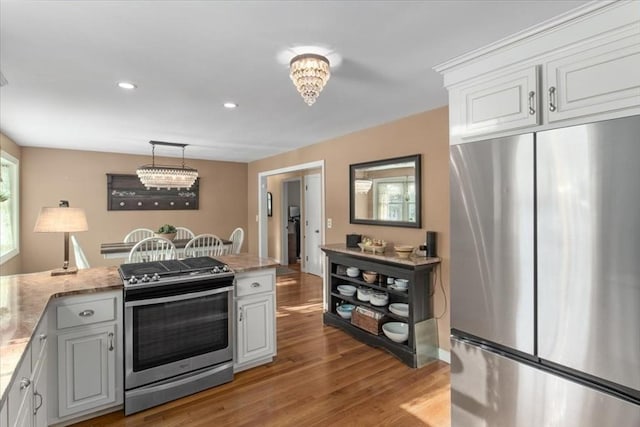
(321, 377)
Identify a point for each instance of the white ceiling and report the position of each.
(62, 60)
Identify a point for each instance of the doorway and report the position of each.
(291, 233)
(262, 207)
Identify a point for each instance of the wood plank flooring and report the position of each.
(321, 377)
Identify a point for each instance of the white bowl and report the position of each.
(396, 331)
(346, 290)
(353, 272)
(399, 308)
(364, 293)
(345, 310)
(379, 299)
(401, 283)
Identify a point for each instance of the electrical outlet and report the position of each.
(329, 222)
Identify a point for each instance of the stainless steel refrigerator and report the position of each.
(545, 278)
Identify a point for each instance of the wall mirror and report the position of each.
(386, 192)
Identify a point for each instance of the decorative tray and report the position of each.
(372, 248)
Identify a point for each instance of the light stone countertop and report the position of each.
(24, 299)
(388, 255)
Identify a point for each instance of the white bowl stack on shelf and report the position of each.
(396, 331)
(399, 308)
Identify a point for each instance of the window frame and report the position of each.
(15, 205)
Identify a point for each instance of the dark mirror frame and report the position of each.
(416, 158)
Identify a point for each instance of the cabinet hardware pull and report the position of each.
(24, 383)
(240, 319)
(39, 405)
(552, 98)
(110, 341)
(255, 285)
(532, 109)
(43, 337)
(86, 313)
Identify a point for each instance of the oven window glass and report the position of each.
(172, 331)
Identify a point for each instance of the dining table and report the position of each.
(121, 249)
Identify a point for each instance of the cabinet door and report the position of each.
(86, 369)
(40, 393)
(500, 103)
(255, 328)
(594, 80)
(4, 416)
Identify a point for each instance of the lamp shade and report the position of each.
(63, 219)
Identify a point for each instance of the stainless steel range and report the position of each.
(178, 329)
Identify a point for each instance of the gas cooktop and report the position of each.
(174, 271)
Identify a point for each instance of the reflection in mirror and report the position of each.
(386, 192)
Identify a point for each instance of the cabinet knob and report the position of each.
(255, 285)
(552, 99)
(24, 383)
(43, 337)
(86, 313)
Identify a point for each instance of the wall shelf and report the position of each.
(126, 193)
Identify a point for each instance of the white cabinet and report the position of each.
(592, 79)
(255, 319)
(27, 398)
(86, 369)
(4, 416)
(87, 356)
(500, 103)
(583, 67)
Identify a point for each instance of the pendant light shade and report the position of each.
(166, 176)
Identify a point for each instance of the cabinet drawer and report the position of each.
(254, 283)
(86, 312)
(39, 341)
(20, 388)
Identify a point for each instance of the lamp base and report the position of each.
(63, 271)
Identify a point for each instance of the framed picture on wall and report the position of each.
(269, 204)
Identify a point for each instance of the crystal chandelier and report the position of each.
(166, 176)
(363, 185)
(309, 73)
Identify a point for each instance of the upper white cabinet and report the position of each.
(500, 103)
(595, 78)
(582, 67)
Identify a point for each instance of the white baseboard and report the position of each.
(444, 355)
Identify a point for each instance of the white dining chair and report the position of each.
(183, 233)
(237, 237)
(204, 245)
(152, 249)
(81, 259)
(138, 234)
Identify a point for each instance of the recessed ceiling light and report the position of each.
(230, 105)
(126, 85)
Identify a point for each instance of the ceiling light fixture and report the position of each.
(127, 85)
(230, 105)
(363, 186)
(310, 73)
(166, 176)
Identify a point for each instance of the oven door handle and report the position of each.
(180, 297)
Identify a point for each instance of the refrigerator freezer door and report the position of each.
(490, 390)
(492, 208)
(589, 249)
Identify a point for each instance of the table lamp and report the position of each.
(62, 219)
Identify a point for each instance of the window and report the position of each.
(9, 204)
(395, 199)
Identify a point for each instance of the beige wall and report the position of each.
(427, 134)
(14, 265)
(50, 175)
